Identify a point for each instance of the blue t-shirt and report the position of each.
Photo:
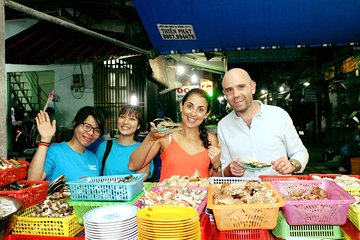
(118, 159)
(61, 159)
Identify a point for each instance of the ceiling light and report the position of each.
(180, 70)
(306, 84)
(194, 78)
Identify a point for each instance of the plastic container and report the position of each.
(82, 207)
(332, 211)
(205, 227)
(284, 230)
(353, 190)
(219, 180)
(33, 237)
(31, 195)
(44, 226)
(354, 216)
(200, 208)
(245, 216)
(106, 188)
(254, 234)
(13, 174)
(269, 178)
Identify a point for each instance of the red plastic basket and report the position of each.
(330, 176)
(269, 178)
(36, 237)
(252, 234)
(332, 211)
(205, 227)
(31, 195)
(13, 174)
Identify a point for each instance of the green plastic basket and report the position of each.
(82, 207)
(284, 230)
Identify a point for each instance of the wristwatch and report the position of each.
(217, 169)
(296, 164)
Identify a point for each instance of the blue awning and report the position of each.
(183, 26)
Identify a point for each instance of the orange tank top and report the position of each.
(175, 161)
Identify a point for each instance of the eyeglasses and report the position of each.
(87, 127)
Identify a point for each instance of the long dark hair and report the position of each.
(203, 131)
(86, 111)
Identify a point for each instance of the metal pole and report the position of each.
(3, 86)
(46, 17)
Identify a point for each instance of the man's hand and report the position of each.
(283, 166)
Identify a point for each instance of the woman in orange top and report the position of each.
(187, 150)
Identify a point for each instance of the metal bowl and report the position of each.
(9, 206)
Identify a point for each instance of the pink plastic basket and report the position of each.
(332, 211)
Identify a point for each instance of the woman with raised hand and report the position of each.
(184, 151)
(70, 159)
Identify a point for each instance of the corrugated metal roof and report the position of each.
(48, 43)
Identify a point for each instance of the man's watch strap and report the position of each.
(296, 164)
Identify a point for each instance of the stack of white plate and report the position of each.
(117, 222)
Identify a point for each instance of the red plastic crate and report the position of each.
(13, 174)
(269, 178)
(205, 227)
(36, 237)
(252, 234)
(331, 176)
(31, 195)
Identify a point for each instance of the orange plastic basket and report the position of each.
(34, 194)
(247, 215)
(13, 174)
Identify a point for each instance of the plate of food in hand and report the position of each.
(166, 125)
(253, 164)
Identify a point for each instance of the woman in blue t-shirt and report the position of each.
(116, 163)
(70, 159)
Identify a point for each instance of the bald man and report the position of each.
(257, 132)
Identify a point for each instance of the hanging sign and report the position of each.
(180, 92)
(207, 85)
(176, 32)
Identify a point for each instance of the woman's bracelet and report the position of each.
(41, 143)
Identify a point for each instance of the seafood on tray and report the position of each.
(166, 125)
(175, 196)
(250, 192)
(195, 181)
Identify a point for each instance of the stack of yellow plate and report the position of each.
(168, 222)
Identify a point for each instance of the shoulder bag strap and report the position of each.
(106, 154)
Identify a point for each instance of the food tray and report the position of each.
(245, 216)
(354, 216)
(353, 190)
(44, 226)
(36, 237)
(269, 178)
(200, 208)
(82, 207)
(284, 230)
(106, 188)
(30, 195)
(13, 174)
(332, 211)
(218, 180)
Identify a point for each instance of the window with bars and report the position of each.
(114, 84)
